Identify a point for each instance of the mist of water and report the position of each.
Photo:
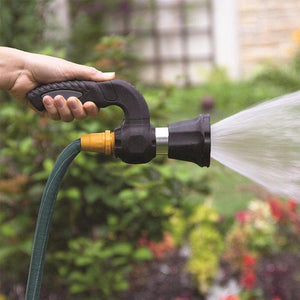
(263, 143)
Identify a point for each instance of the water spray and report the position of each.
(263, 144)
(135, 141)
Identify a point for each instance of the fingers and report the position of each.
(51, 108)
(66, 110)
(91, 109)
(76, 108)
(63, 109)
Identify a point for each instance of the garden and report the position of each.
(164, 230)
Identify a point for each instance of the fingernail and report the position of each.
(47, 101)
(59, 102)
(73, 103)
(108, 75)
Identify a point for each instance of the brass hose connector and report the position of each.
(103, 142)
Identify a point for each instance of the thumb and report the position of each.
(90, 73)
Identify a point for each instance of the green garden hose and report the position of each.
(42, 229)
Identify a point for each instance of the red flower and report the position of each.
(248, 260)
(292, 204)
(276, 207)
(248, 280)
(158, 249)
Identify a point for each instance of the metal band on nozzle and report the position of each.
(162, 140)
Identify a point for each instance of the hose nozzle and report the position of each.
(186, 140)
(103, 142)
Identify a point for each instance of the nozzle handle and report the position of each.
(135, 137)
(102, 93)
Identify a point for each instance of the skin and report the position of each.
(21, 71)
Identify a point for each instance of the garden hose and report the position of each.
(95, 142)
(135, 141)
(44, 219)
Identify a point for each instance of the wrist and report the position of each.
(12, 63)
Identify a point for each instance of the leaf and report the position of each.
(122, 285)
(83, 260)
(48, 165)
(78, 288)
(142, 254)
(118, 261)
(73, 193)
(92, 193)
(122, 248)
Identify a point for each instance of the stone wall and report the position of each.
(265, 31)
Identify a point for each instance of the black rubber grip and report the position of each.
(103, 93)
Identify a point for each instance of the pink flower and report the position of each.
(230, 297)
(242, 217)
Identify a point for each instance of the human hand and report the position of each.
(24, 71)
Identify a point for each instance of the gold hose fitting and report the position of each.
(103, 142)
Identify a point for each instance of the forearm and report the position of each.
(12, 63)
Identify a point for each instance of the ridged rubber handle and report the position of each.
(104, 93)
(83, 90)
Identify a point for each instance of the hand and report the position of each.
(21, 71)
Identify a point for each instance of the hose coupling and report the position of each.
(103, 142)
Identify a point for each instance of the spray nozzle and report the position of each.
(190, 140)
(135, 140)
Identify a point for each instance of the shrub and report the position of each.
(205, 241)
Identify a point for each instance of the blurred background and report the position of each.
(168, 229)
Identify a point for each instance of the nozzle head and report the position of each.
(190, 140)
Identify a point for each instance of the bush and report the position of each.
(261, 246)
(204, 239)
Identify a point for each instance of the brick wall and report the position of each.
(266, 28)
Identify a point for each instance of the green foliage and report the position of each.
(98, 267)
(21, 26)
(112, 53)
(204, 239)
(206, 246)
(88, 20)
(284, 77)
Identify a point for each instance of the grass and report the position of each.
(231, 191)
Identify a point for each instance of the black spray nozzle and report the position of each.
(190, 140)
